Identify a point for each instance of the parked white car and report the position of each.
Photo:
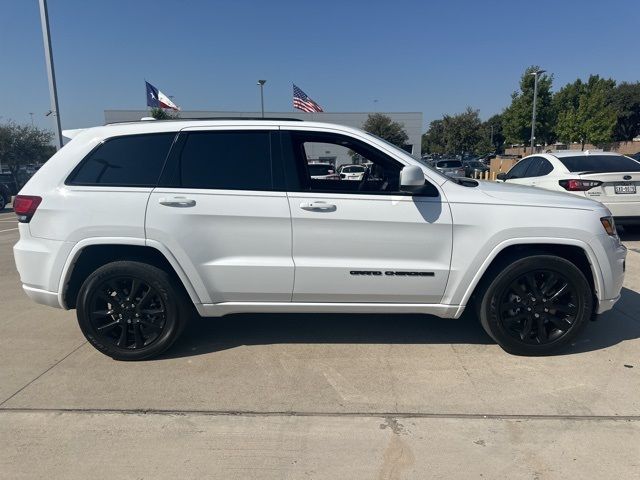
(326, 171)
(610, 178)
(352, 172)
(136, 225)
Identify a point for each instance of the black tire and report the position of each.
(536, 305)
(3, 202)
(127, 320)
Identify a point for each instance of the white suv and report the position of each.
(135, 225)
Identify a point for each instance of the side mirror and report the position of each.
(412, 181)
(411, 176)
(502, 176)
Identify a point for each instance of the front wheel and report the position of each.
(536, 305)
(131, 310)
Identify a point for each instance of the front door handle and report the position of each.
(180, 202)
(318, 207)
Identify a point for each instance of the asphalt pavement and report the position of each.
(316, 396)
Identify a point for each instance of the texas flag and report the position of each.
(157, 99)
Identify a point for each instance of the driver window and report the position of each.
(336, 163)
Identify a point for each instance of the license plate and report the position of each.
(626, 189)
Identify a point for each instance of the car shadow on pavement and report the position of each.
(207, 335)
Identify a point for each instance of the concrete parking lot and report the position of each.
(316, 396)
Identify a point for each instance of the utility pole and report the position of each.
(533, 115)
(31, 114)
(53, 92)
(261, 83)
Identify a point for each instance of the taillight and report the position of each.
(25, 206)
(579, 185)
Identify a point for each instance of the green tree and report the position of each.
(458, 134)
(626, 102)
(494, 132)
(433, 139)
(384, 127)
(585, 111)
(21, 145)
(462, 132)
(162, 114)
(517, 116)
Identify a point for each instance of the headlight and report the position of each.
(609, 226)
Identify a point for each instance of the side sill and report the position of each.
(226, 308)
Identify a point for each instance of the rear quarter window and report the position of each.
(129, 161)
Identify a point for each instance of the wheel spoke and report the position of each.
(152, 311)
(108, 326)
(101, 313)
(150, 325)
(527, 327)
(559, 293)
(138, 336)
(144, 298)
(122, 341)
(551, 280)
(561, 323)
(541, 329)
(135, 285)
(531, 280)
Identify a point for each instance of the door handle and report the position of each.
(180, 202)
(318, 206)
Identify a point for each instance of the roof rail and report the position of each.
(181, 119)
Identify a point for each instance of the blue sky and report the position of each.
(431, 56)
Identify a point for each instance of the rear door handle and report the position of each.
(318, 207)
(180, 202)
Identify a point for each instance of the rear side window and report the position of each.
(600, 163)
(450, 164)
(239, 160)
(131, 161)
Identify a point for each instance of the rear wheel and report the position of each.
(131, 310)
(536, 305)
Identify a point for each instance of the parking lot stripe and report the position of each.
(8, 229)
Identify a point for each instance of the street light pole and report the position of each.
(533, 115)
(261, 83)
(53, 92)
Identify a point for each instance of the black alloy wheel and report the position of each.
(535, 305)
(127, 313)
(131, 311)
(538, 307)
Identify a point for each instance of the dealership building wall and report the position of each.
(412, 121)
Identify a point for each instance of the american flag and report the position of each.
(304, 103)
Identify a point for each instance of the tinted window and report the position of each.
(600, 163)
(226, 160)
(132, 161)
(519, 169)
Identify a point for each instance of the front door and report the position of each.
(362, 240)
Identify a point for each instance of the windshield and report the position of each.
(449, 164)
(316, 169)
(600, 163)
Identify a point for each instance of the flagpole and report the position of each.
(51, 74)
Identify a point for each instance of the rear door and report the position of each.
(362, 241)
(219, 211)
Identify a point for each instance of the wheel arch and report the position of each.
(87, 256)
(576, 251)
